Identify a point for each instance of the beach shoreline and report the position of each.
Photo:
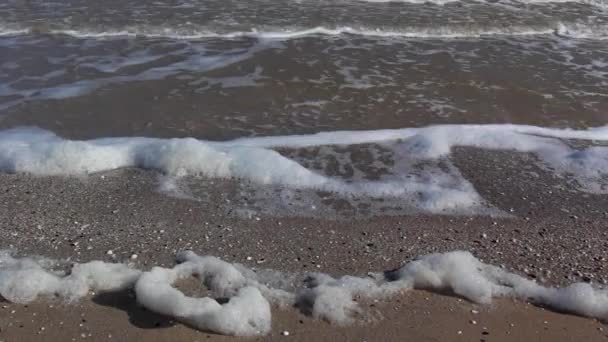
(548, 237)
(423, 170)
(414, 315)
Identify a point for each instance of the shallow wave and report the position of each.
(582, 31)
(570, 30)
(436, 2)
(435, 32)
(597, 3)
(43, 153)
(13, 32)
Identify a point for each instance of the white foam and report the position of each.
(466, 276)
(197, 59)
(42, 153)
(582, 31)
(419, 2)
(434, 32)
(596, 3)
(23, 280)
(13, 32)
(458, 272)
(564, 29)
(248, 311)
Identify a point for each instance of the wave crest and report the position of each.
(570, 30)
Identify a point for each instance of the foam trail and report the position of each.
(565, 29)
(419, 2)
(9, 32)
(198, 60)
(278, 34)
(247, 311)
(464, 135)
(596, 3)
(23, 280)
(581, 31)
(42, 153)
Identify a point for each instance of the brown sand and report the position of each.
(413, 316)
(556, 236)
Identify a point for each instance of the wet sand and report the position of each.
(169, 108)
(413, 316)
(552, 233)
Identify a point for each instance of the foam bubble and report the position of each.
(23, 280)
(248, 312)
(565, 29)
(109, 69)
(42, 153)
(458, 272)
(596, 3)
(582, 31)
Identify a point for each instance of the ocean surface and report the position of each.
(227, 69)
(224, 70)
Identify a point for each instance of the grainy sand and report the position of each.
(413, 316)
(554, 234)
(183, 70)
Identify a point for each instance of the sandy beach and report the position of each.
(413, 316)
(318, 170)
(552, 238)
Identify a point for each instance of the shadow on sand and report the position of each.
(138, 315)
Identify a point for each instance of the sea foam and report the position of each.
(574, 30)
(256, 160)
(248, 309)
